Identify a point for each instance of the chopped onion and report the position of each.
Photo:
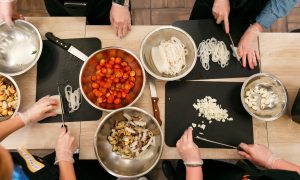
(74, 98)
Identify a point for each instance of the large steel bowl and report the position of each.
(89, 68)
(165, 33)
(20, 47)
(274, 85)
(10, 80)
(112, 162)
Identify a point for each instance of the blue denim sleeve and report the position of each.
(274, 10)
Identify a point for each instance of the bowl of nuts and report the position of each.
(264, 97)
(10, 97)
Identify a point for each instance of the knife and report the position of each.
(62, 110)
(234, 49)
(66, 46)
(154, 99)
(215, 142)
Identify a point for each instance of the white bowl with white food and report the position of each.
(168, 53)
(264, 97)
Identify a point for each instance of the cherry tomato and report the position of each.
(93, 78)
(98, 67)
(117, 101)
(132, 79)
(103, 71)
(124, 63)
(95, 85)
(110, 98)
(125, 76)
(102, 62)
(118, 60)
(132, 73)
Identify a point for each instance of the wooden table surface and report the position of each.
(278, 58)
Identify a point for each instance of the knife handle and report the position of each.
(50, 36)
(156, 109)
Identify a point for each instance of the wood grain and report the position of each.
(281, 57)
(43, 136)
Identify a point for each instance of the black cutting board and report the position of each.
(180, 113)
(59, 66)
(205, 29)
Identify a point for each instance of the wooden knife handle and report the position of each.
(156, 109)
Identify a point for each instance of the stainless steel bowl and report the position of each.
(88, 69)
(12, 81)
(277, 107)
(165, 33)
(112, 162)
(20, 47)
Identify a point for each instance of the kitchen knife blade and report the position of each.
(66, 46)
(154, 100)
(207, 140)
(234, 49)
(62, 110)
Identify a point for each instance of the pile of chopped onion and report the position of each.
(74, 98)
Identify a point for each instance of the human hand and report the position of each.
(8, 12)
(188, 150)
(65, 147)
(120, 19)
(221, 10)
(248, 46)
(42, 109)
(258, 154)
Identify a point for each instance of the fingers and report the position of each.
(244, 154)
(250, 60)
(63, 131)
(257, 55)
(185, 136)
(125, 30)
(244, 59)
(219, 19)
(190, 134)
(246, 148)
(226, 23)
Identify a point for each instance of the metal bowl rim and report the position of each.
(39, 52)
(18, 91)
(101, 125)
(275, 78)
(168, 78)
(103, 49)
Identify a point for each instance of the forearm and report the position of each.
(274, 10)
(9, 126)
(194, 173)
(66, 171)
(285, 165)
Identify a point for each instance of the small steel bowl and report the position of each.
(10, 80)
(267, 81)
(127, 168)
(165, 33)
(20, 47)
(89, 68)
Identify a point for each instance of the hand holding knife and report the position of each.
(154, 100)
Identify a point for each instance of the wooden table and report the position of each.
(281, 56)
(43, 136)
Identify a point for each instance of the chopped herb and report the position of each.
(34, 52)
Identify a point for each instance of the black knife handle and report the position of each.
(50, 36)
(156, 109)
(64, 126)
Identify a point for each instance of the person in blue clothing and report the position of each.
(260, 13)
(13, 166)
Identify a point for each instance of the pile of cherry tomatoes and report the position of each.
(112, 80)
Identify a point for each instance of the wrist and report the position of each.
(123, 3)
(19, 120)
(258, 27)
